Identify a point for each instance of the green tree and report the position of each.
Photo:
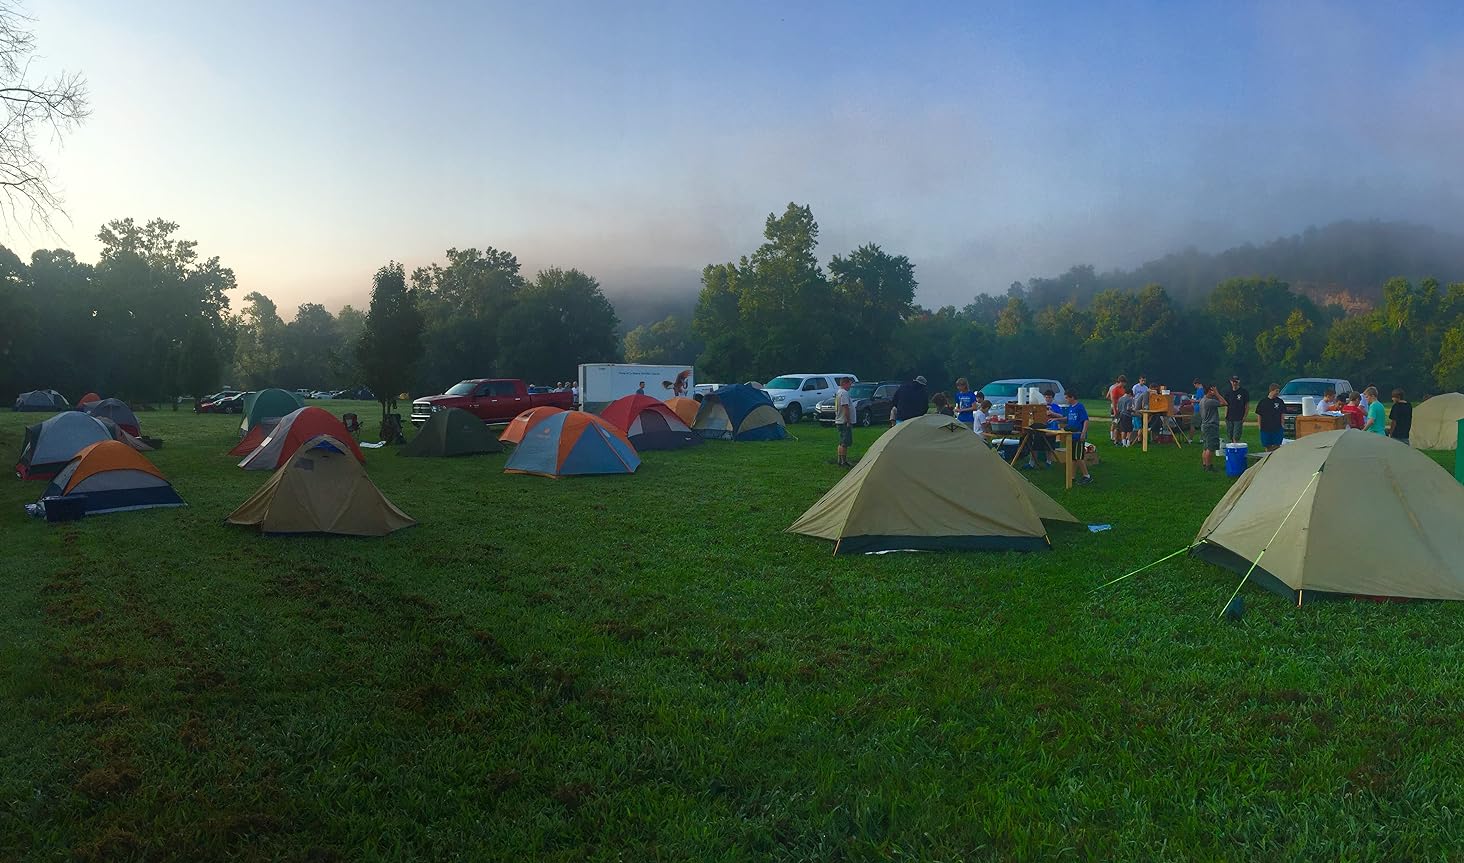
(391, 343)
(259, 351)
(874, 292)
(309, 347)
(726, 355)
(463, 303)
(561, 319)
(1448, 372)
(350, 324)
(669, 340)
(785, 299)
(199, 369)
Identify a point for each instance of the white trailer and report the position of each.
(602, 383)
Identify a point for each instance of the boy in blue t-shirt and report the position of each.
(965, 402)
(1076, 421)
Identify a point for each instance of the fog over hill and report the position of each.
(1343, 263)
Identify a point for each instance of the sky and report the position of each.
(308, 143)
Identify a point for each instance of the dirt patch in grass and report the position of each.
(108, 780)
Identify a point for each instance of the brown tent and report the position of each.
(322, 488)
(1346, 512)
(929, 484)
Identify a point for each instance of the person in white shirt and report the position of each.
(844, 420)
(981, 417)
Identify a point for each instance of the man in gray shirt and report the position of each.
(1210, 426)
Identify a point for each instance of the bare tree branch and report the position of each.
(30, 109)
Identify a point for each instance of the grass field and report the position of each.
(646, 667)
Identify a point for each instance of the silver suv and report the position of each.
(797, 395)
(1299, 388)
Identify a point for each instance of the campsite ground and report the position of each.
(647, 667)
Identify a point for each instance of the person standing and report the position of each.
(1237, 404)
(641, 390)
(1269, 411)
(1377, 417)
(1141, 393)
(1124, 412)
(965, 402)
(1210, 426)
(1400, 418)
(1199, 396)
(1356, 418)
(844, 421)
(1076, 421)
(1119, 387)
(912, 399)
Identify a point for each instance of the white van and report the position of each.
(798, 394)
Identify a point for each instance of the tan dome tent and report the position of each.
(1342, 512)
(322, 488)
(1436, 422)
(930, 484)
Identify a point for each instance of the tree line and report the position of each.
(151, 319)
(777, 310)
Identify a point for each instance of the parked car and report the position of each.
(205, 405)
(1005, 390)
(799, 394)
(233, 404)
(872, 403)
(492, 400)
(356, 393)
(699, 391)
(322, 394)
(1298, 388)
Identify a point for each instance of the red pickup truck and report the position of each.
(492, 400)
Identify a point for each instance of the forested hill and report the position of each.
(1344, 263)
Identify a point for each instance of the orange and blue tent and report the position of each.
(521, 424)
(573, 443)
(113, 477)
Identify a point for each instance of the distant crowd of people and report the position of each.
(1127, 412)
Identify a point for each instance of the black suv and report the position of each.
(872, 403)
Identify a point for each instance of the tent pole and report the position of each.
(1257, 561)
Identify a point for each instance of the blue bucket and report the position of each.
(1235, 458)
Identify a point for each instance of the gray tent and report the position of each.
(118, 412)
(41, 400)
(51, 444)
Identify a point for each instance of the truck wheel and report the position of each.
(866, 420)
(793, 413)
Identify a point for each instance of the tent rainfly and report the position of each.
(930, 485)
(1436, 422)
(322, 488)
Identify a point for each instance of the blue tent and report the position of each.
(739, 412)
(572, 443)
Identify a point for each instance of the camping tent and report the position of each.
(113, 477)
(572, 443)
(739, 412)
(649, 423)
(931, 485)
(41, 400)
(521, 424)
(87, 399)
(685, 408)
(268, 405)
(1342, 512)
(251, 441)
(118, 412)
(119, 435)
(51, 444)
(1436, 422)
(292, 432)
(321, 489)
(452, 432)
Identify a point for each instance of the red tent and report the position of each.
(649, 423)
(294, 430)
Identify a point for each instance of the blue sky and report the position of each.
(308, 143)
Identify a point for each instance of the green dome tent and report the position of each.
(452, 432)
(268, 407)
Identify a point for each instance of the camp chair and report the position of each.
(353, 425)
(391, 429)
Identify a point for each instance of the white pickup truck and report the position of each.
(1299, 388)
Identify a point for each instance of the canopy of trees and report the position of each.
(151, 319)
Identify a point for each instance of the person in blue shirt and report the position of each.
(1076, 421)
(965, 402)
(1199, 396)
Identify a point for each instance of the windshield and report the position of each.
(994, 391)
(862, 391)
(785, 383)
(461, 389)
(1306, 388)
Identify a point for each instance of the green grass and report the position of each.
(646, 667)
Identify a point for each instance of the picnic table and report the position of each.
(1063, 436)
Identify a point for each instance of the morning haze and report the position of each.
(307, 143)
